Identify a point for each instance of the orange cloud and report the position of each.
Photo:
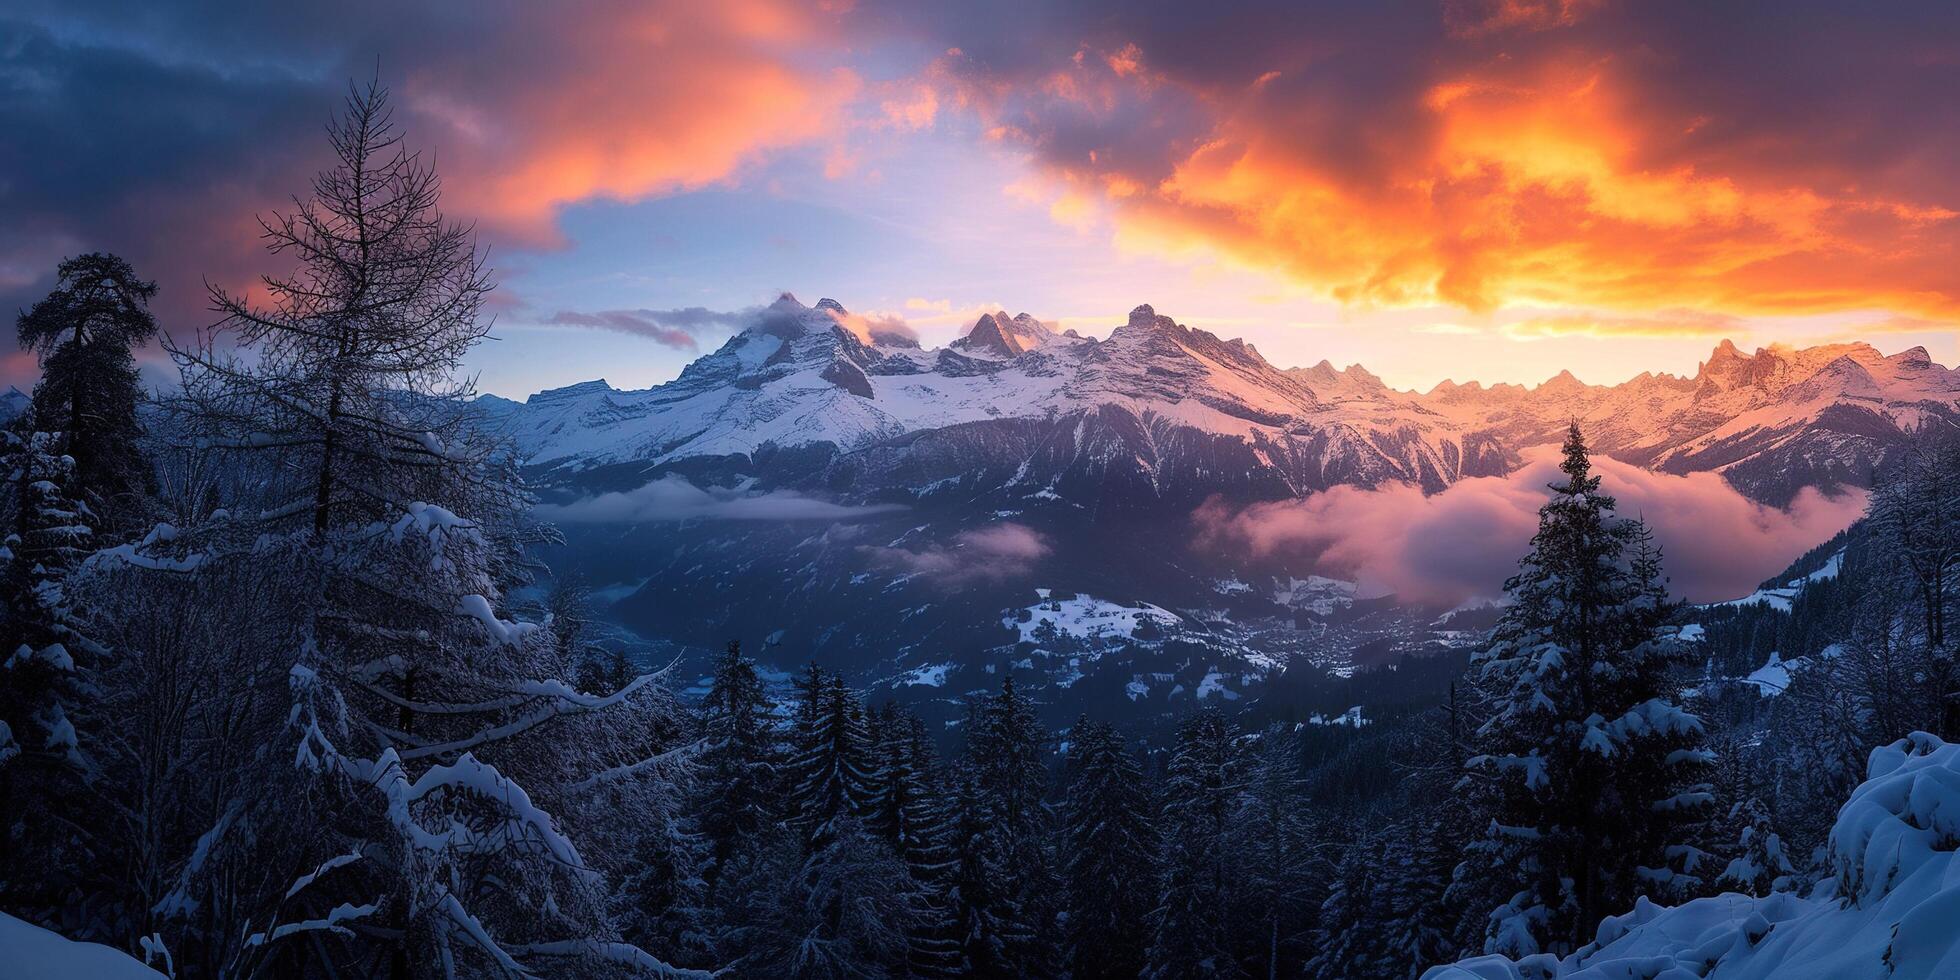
(1548, 173)
(642, 101)
(1665, 324)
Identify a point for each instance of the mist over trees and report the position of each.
(285, 694)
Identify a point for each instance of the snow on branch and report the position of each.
(624, 954)
(332, 923)
(660, 763)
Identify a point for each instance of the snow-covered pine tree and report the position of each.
(48, 534)
(910, 814)
(1915, 520)
(1189, 932)
(741, 762)
(990, 924)
(831, 772)
(1761, 864)
(1419, 859)
(846, 914)
(1589, 770)
(1273, 832)
(851, 904)
(1109, 845)
(1351, 928)
(84, 331)
(42, 660)
(440, 728)
(1007, 754)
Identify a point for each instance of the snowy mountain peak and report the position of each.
(1562, 384)
(1174, 413)
(832, 305)
(1912, 359)
(1145, 317)
(993, 334)
(570, 392)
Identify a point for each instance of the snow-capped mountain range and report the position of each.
(948, 487)
(1163, 413)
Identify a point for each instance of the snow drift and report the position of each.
(1890, 910)
(30, 951)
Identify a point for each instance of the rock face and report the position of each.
(1164, 415)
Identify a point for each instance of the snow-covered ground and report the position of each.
(1351, 718)
(1891, 909)
(29, 952)
(1086, 617)
(1780, 598)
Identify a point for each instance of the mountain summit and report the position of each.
(1162, 414)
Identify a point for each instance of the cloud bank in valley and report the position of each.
(675, 498)
(990, 554)
(1463, 542)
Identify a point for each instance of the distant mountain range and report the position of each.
(1161, 414)
(1022, 497)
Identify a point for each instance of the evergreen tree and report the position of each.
(1915, 514)
(1351, 941)
(1273, 833)
(85, 331)
(1109, 844)
(740, 762)
(1761, 864)
(831, 776)
(1590, 770)
(446, 738)
(1190, 935)
(1421, 853)
(44, 659)
(1007, 757)
(989, 922)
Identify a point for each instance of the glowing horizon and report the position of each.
(1489, 190)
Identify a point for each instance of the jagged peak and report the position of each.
(1146, 317)
(1565, 380)
(1356, 372)
(572, 391)
(827, 303)
(788, 300)
(992, 333)
(1912, 357)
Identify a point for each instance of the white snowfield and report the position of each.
(1890, 910)
(803, 376)
(30, 952)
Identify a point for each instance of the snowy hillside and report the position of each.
(1163, 411)
(27, 951)
(1892, 909)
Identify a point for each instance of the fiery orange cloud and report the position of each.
(1666, 323)
(647, 100)
(1528, 191)
(1539, 174)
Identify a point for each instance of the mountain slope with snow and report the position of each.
(1891, 909)
(1163, 413)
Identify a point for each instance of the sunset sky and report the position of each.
(1492, 190)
